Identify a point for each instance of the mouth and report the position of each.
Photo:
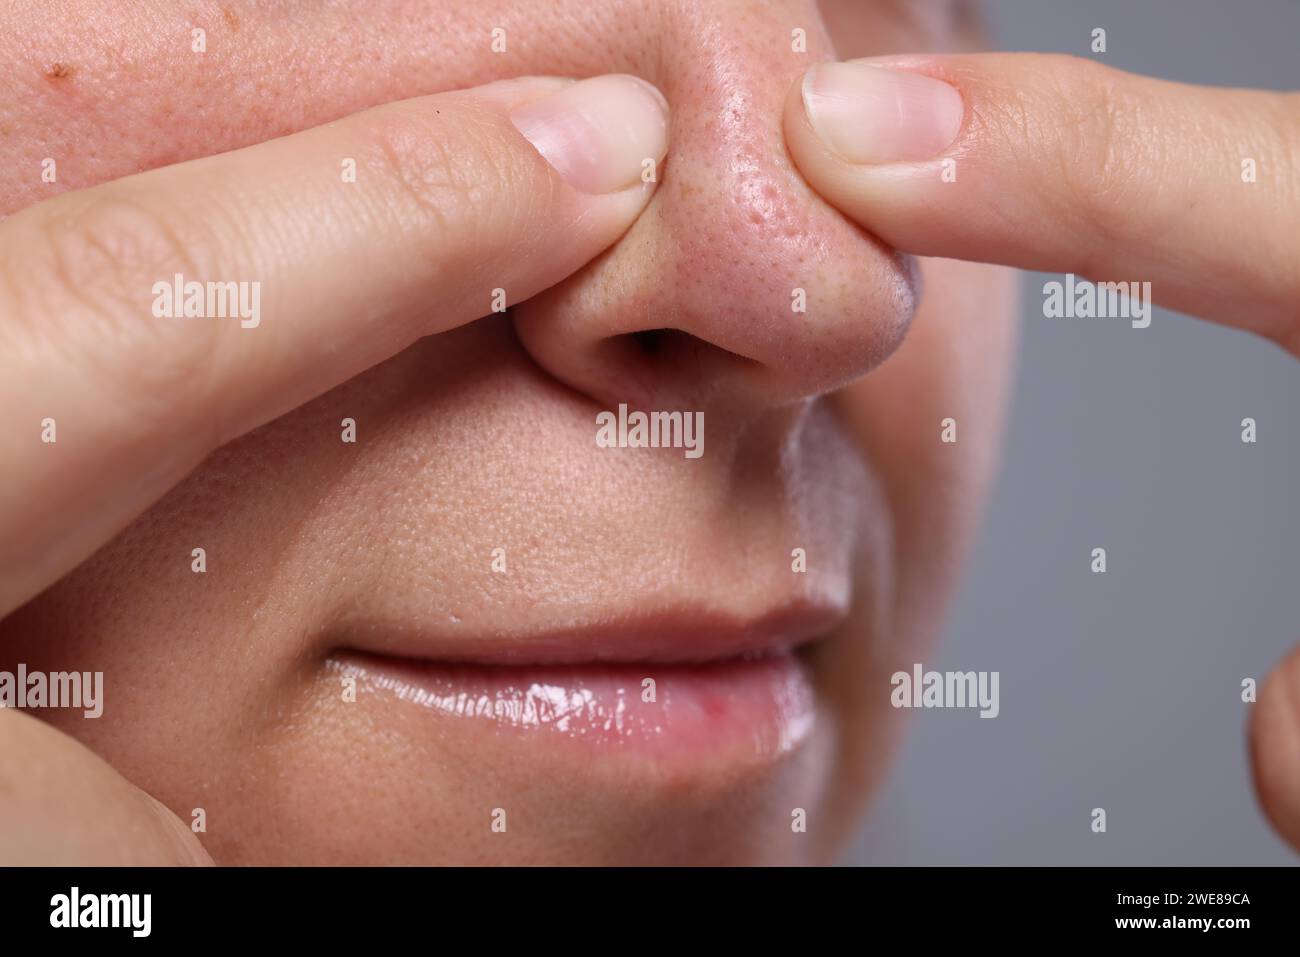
(669, 686)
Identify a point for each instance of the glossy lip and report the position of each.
(711, 688)
(761, 706)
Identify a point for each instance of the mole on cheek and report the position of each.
(58, 71)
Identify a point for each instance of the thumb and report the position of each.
(62, 805)
(1060, 164)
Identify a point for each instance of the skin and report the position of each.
(823, 432)
(219, 693)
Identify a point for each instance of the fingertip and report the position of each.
(602, 135)
(868, 113)
(1275, 748)
(184, 846)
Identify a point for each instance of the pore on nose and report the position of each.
(738, 284)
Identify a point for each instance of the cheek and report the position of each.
(955, 363)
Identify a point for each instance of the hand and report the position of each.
(1062, 165)
(112, 396)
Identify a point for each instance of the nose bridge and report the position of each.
(738, 282)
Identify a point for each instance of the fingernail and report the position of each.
(870, 114)
(598, 133)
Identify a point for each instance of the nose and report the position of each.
(737, 284)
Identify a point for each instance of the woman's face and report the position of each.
(396, 639)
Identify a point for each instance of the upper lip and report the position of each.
(676, 636)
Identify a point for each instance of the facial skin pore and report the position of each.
(222, 689)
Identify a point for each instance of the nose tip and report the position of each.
(738, 283)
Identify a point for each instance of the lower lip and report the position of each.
(764, 704)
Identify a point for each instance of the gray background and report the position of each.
(1121, 690)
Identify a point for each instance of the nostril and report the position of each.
(650, 341)
(664, 349)
(649, 366)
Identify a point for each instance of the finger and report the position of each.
(330, 250)
(1060, 164)
(1275, 747)
(60, 804)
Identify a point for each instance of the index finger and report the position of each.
(148, 320)
(1060, 164)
